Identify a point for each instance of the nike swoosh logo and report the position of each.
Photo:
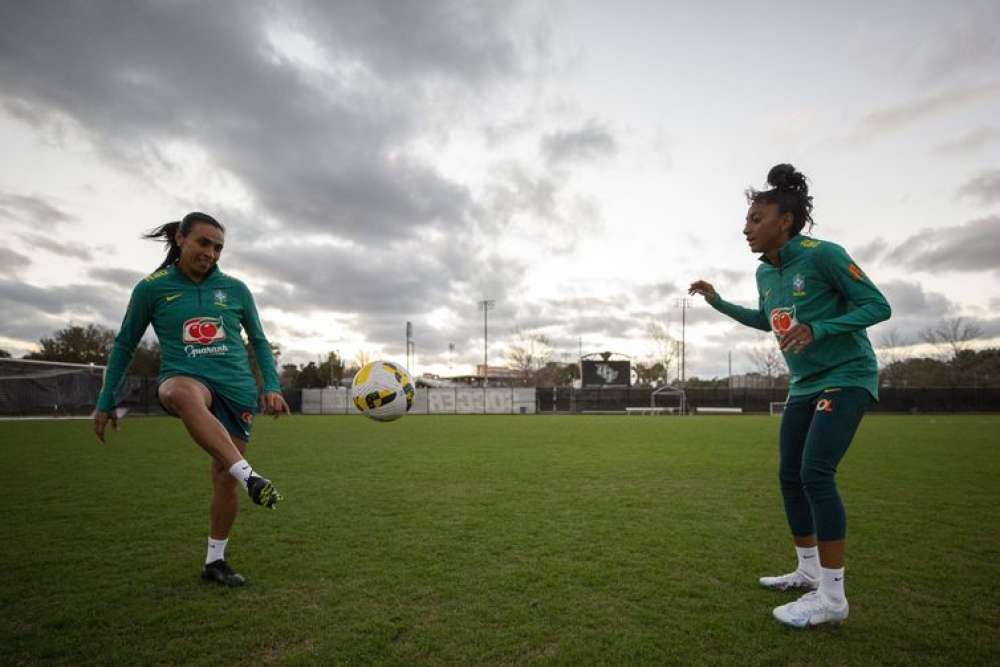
(171, 297)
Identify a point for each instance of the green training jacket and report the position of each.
(820, 285)
(198, 326)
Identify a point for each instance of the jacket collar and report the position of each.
(787, 252)
(209, 277)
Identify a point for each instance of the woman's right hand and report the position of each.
(705, 289)
(101, 420)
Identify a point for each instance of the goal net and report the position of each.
(777, 408)
(31, 388)
(667, 400)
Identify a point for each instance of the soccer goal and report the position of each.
(665, 400)
(33, 389)
(777, 408)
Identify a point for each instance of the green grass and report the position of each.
(492, 540)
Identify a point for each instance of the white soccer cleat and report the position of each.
(797, 580)
(811, 609)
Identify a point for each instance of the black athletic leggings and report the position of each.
(816, 431)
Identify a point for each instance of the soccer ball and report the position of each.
(382, 390)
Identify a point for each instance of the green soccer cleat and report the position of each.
(262, 492)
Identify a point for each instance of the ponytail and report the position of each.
(790, 191)
(168, 234)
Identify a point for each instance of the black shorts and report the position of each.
(236, 419)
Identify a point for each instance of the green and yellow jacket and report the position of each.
(198, 326)
(817, 283)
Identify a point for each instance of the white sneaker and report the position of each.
(811, 609)
(797, 580)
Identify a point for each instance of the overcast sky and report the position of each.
(579, 163)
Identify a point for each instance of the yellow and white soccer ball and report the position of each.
(382, 390)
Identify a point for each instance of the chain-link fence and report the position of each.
(58, 390)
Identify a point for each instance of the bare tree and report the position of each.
(768, 361)
(952, 335)
(529, 352)
(889, 350)
(664, 350)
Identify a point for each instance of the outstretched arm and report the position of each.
(746, 316)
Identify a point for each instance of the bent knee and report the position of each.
(184, 397)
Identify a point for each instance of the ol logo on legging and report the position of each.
(824, 405)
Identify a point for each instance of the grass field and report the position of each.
(493, 540)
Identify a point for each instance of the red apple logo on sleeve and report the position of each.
(203, 330)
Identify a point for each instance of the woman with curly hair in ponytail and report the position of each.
(818, 303)
(198, 313)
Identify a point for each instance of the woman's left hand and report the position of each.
(273, 403)
(797, 338)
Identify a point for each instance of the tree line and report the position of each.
(948, 359)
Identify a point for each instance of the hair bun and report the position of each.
(784, 178)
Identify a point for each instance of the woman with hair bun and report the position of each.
(198, 313)
(818, 303)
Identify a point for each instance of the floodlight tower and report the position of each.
(411, 347)
(487, 305)
(683, 303)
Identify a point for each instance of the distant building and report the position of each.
(758, 381)
(499, 376)
(499, 373)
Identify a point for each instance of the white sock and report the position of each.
(241, 470)
(831, 584)
(216, 550)
(808, 560)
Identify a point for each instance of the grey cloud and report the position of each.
(973, 246)
(31, 209)
(60, 300)
(870, 252)
(910, 299)
(122, 278)
(514, 191)
(985, 187)
(322, 150)
(472, 42)
(37, 241)
(12, 262)
(395, 281)
(589, 142)
(318, 149)
(538, 207)
(894, 118)
(657, 292)
(969, 142)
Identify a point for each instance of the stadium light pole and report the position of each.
(411, 348)
(487, 305)
(683, 303)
